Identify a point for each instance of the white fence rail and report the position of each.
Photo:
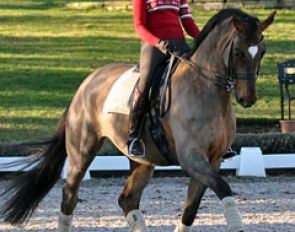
(250, 162)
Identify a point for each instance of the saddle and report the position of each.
(121, 94)
(159, 105)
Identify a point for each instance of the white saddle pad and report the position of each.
(118, 99)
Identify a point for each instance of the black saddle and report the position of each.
(159, 105)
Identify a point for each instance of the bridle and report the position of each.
(227, 80)
(231, 74)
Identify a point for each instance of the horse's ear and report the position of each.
(265, 24)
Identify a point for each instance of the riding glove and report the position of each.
(165, 46)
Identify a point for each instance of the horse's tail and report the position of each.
(33, 185)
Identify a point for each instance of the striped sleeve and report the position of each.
(184, 11)
(187, 20)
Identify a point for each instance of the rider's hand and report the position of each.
(165, 46)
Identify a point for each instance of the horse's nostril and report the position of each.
(241, 100)
(245, 103)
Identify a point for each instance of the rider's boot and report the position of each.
(136, 145)
(229, 154)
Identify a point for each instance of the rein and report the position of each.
(226, 80)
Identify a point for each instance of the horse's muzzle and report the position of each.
(246, 102)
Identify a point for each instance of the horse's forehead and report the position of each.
(253, 50)
(253, 37)
(252, 34)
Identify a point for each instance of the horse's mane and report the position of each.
(218, 18)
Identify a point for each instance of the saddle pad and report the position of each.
(118, 99)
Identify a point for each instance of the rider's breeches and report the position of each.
(150, 58)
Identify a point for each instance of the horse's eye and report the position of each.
(239, 54)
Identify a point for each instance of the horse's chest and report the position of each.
(221, 137)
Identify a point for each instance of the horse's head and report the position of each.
(242, 55)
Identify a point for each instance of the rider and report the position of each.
(159, 24)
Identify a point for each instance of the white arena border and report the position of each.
(250, 162)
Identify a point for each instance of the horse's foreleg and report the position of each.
(200, 169)
(195, 193)
(129, 199)
(81, 148)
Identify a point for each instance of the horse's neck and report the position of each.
(209, 53)
(209, 58)
(198, 85)
(195, 91)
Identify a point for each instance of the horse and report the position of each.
(199, 126)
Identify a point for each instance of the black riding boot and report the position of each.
(230, 153)
(136, 145)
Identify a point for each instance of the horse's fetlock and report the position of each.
(232, 215)
(182, 228)
(65, 222)
(69, 202)
(127, 203)
(136, 221)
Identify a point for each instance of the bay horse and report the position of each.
(200, 126)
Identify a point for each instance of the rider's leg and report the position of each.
(150, 58)
(136, 120)
(229, 153)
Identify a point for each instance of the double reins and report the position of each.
(228, 79)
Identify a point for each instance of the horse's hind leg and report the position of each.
(82, 146)
(195, 193)
(129, 200)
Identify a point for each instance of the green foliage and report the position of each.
(48, 49)
(269, 143)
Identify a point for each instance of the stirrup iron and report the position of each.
(142, 146)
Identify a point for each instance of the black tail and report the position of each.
(32, 186)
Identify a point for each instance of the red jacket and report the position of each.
(156, 20)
